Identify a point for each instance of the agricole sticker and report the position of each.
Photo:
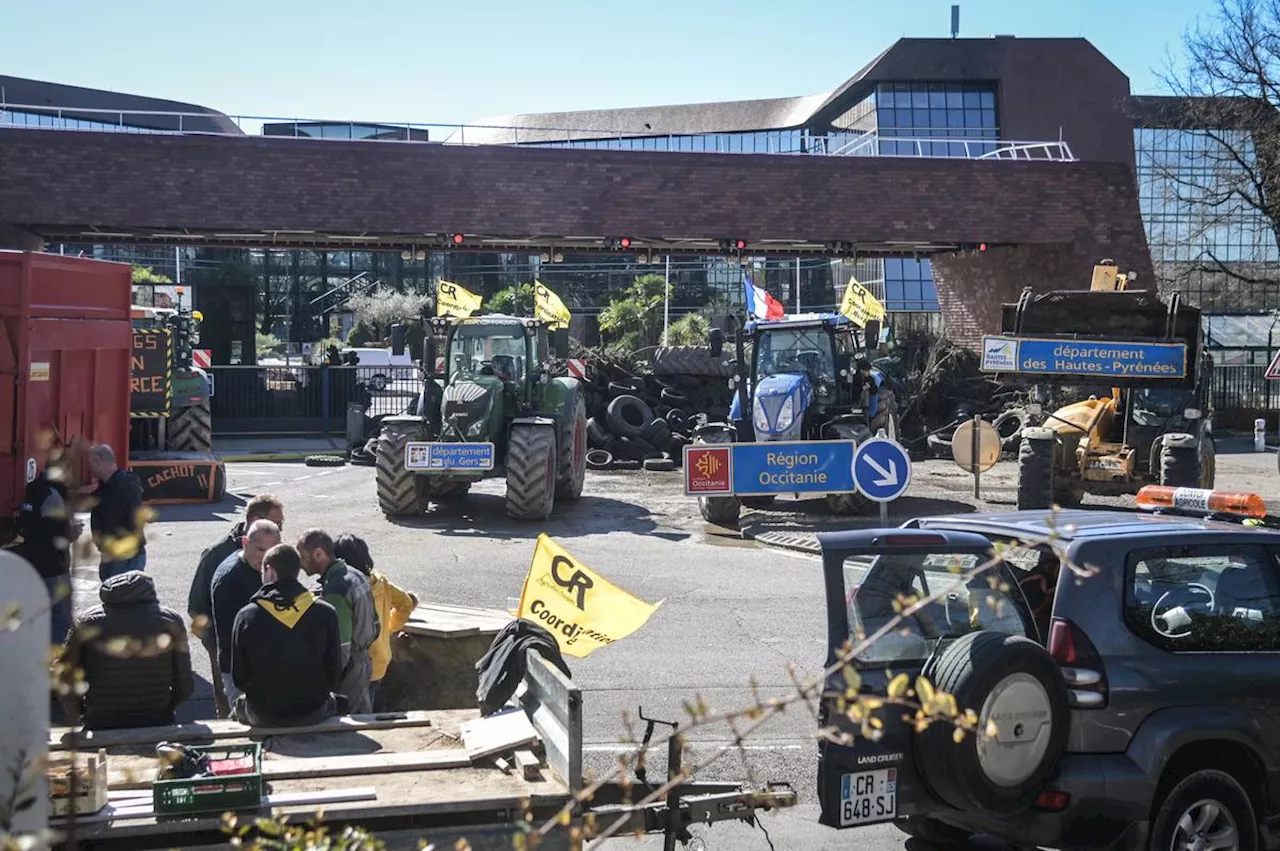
(582, 609)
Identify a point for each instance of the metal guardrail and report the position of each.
(300, 398)
(872, 143)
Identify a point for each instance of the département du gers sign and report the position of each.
(1084, 358)
(151, 371)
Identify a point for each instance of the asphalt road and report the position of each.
(732, 608)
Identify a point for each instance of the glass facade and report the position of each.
(763, 142)
(1208, 241)
(47, 121)
(340, 130)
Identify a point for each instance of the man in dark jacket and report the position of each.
(264, 506)
(44, 524)
(116, 519)
(286, 655)
(135, 658)
(234, 583)
(347, 590)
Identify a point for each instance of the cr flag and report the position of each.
(548, 307)
(455, 300)
(759, 303)
(860, 305)
(582, 609)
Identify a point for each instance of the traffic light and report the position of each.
(733, 244)
(457, 239)
(618, 243)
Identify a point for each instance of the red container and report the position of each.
(65, 344)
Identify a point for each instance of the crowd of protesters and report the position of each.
(281, 654)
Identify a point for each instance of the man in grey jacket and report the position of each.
(347, 590)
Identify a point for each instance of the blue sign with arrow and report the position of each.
(881, 469)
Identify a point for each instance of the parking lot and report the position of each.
(733, 607)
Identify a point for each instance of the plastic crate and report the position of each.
(216, 793)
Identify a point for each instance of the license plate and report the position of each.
(868, 797)
(448, 457)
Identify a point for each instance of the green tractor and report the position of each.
(498, 412)
(188, 425)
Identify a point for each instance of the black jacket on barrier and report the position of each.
(134, 654)
(286, 655)
(502, 668)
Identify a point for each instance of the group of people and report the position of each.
(285, 655)
(281, 654)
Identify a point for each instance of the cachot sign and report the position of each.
(582, 609)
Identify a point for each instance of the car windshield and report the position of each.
(487, 350)
(878, 588)
(806, 350)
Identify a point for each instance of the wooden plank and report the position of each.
(285, 799)
(332, 766)
(530, 766)
(207, 730)
(498, 733)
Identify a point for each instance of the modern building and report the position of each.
(999, 97)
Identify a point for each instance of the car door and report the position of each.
(894, 597)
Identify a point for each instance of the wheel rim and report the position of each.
(1206, 825)
(1019, 710)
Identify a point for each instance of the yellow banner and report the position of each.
(860, 305)
(548, 307)
(455, 300)
(582, 609)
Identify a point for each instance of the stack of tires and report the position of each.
(648, 420)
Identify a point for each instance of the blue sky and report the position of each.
(448, 61)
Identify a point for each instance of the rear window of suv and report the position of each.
(878, 588)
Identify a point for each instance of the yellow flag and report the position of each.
(455, 300)
(582, 609)
(548, 307)
(860, 305)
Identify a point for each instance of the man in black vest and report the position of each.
(44, 524)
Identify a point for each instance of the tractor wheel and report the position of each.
(571, 461)
(190, 429)
(531, 472)
(1180, 462)
(400, 492)
(1208, 464)
(720, 510)
(1035, 470)
(845, 504)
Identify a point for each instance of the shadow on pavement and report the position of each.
(809, 517)
(485, 515)
(200, 511)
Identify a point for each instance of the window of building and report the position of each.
(1210, 597)
(924, 111)
(908, 284)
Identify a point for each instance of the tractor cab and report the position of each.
(801, 376)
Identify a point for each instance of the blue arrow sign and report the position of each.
(881, 469)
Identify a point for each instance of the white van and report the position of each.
(387, 366)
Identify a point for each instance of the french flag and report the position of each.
(759, 303)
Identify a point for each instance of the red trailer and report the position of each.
(65, 344)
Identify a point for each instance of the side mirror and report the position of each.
(716, 342)
(560, 343)
(397, 339)
(871, 334)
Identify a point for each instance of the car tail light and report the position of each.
(1080, 663)
(908, 539)
(1052, 800)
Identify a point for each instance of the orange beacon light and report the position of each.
(1201, 501)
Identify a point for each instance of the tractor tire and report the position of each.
(720, 510)
(190, 429)
(531, 472)
(1035, 470)
(677, 420)
(444, 490)
(1208, 464)
(848, 504)
(1009, 426)
(674, 397)
(1180, 462)
(659, 465)
(598, 436)
(400, 492)
(325, 461)
(689, 360)
(628, 416)
(658, 433)
(571, 458)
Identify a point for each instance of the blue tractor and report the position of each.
(805, 377)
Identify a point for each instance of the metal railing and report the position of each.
(872, 143)
(299, 398)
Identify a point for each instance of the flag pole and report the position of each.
(666, 303)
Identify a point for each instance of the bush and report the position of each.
(692, 329)
(361, 334)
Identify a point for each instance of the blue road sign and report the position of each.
(815, 466)
(1085, 358)
(881, 469)
(448, 457)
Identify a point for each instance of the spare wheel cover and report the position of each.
(1019, 708)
